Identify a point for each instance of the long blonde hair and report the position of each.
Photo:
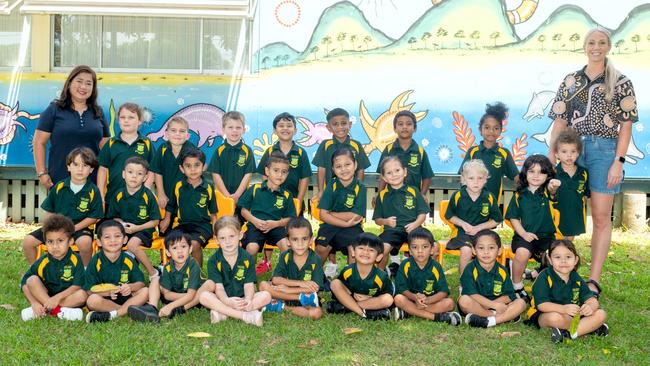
(611, 74)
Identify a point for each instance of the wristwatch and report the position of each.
(40, 174)
(621, 159)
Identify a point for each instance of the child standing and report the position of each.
(135, 206)
(232, 164)
(230, 288)
(487, 295)
(299, 274)
(342, 209)
(193, 205)
(471, 209)
(531, 213)
(113, 266)
(52, 284)
(76, 198)
(496, 158)
(420, 285)
(574, 191)
(560, 295)
(119, 148)
(400, 208)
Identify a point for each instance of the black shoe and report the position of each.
(451, 318)
(98, 316)
(558, 335)
(522, 294)
(602, 331)
(393, 268)
(399, 314)
(180, 310)
(382, 314)
(335, 307)
(144, 313)
(476, 321)
(326, 285)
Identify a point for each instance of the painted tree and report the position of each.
(460, 35)
(411, 42)
(636, 39)
(353, 40)
(619, 44)
(265, 61)
(425, 37)
(494, 36)
(341, 38)
(277, 60)
(574, 38)
(541, 40)
(441, 33)
(327, 41)
(285, 58)
(367, 40)
(557, 37)
(475, 35)
(314, 50)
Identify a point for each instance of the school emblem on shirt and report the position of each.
(242, 160)
(83, 205)
(139, 149)
(413, 160)
(485, 209)
(186, 283)
(581, 187)
(239, 275)
(124, 276)
(279, 202)
(576, 295)
(498, 285)
(372, 291)
(349, 200)
(428, 289)
(497, 162)
(408, 203)
(67, 273)
(293, 162)
(142, 214)
(307, 276)
(203, 200)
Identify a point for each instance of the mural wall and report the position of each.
(442, 59)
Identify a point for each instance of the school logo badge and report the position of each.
(497, 162)
(409, 203)
(242, 160)
(83, 205)
(428, 289)
(498, 285)
(279, 202)
(142, 214)
(139, 149)
(239, 275)
(485, 209)
(413, 160)
(186, 283)
(576, 295)
(203, 200)
(581, 187)
(349, 200)
(293, 162)
(307, 276)
(372, 291)
(124, 276)
(67, 273)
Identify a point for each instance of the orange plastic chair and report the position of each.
(442, 244)
(298, 205)
(226, 205)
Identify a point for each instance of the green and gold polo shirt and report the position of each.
(535, 211)
(572, 200)
(406, 203)
(181, 280)
(266, 204)
(233, 278)
(57, 275)
(491, 285)
(138, 208)
(193, 205)
(113, 155)
(375, 284)
(168, 166)
(323, 157)
(124, 270)
(414, 158)
(312, 270)
(340, 198)
(232, 162)
(76, 206)
(299, 166)
(550, 287)
(474, 213)
(428, 280)
(499, 162)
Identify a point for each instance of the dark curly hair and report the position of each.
(498, 111)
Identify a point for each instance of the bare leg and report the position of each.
(212, 302)
(384, 260)
(515, 308)
(85, 245)
(465, 257)
(277, 294)
(522, 255)
(344, 297)
(587, 324)
(378, 302)
(283, 245)
(469, 305)
(197, 253)
(253, 249)
(30, 243)
(323, 252)
(134, 245)
(429, 312)
(304, 312)
(601, 208)
(154, 291)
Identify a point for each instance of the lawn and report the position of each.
(288, 340)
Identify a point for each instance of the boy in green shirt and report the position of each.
(487, 295)
(298, 276)
(52, 284)
(113, 266)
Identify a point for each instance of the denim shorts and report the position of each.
(598, 154)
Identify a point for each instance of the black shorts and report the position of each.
(144, 237)
(536, 247)
(534, 319)
(38, 234)
(121, 300)
(339, 238)
(254, 235)
(460, 241)
(395, 239)
(196, 233)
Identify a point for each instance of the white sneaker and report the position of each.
(331, 269)
(253, 317)
(216, 317)
(71, 314)
(27, 314)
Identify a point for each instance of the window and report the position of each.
(11, 34)
(148, 43)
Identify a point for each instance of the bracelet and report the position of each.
(41, 174)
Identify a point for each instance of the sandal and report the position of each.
(597, 286)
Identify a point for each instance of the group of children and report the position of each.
(184, 210)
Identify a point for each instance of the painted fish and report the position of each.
(315, 133)
(538, 105)
(204, 119)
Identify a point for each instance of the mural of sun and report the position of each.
(287, 13)
(444, 154)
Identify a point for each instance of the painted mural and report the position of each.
(441, 59)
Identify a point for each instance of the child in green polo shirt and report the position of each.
(561, 296)
(135, 206)
(267, 208)
(361, 287)
(178, 283)
(421, 286)
(230, 288)
(338, 123)
(298, 276)
(194, 203)
(487, 296)
(497, 159)
(113, 266)
(532, 214)
(342, 209)
(119, 148)
(52, 284)
(574, 192)
(471, 209)
(232, 164)
(76, 198)
(399, 207)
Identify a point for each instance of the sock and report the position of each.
(492, 321)
(394, 259)
(55, 311)
(113, 314)
(518, 286)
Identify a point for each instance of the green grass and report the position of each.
(289, 340)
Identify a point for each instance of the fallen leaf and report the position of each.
(349, 331)
(221, 358)
(606, 351)
(510, 334)
(451, 270)
(609, 254)
(262, 362)
(313, 342)
(199, 335)
(8, 307)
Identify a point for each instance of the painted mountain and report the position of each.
(633, 35)
(451, 24)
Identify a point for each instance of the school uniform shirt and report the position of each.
(193, 205)
(167, 165)
(138, 208)
(340, 198)
(473, 212)
(299, 166)
(266, 204)
(68, 130)
(232, 162)
(414, 158)
(549, 287)
(323, 157)
(581, 102)
(75, 206)
(491, 285)
(181, 280)
(535, 211)
(572, 200)
(233, 278)
(406, 203)
(114, 154)
(312, 270)
(499, 162)
(124, 270)
(375, 284)
(57, 275)
(428, 280)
